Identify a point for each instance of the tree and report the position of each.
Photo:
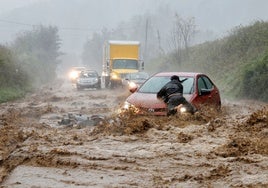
(92, 55)
(255, 79)
(181, 36)
(13, 81)
(10, 72)
(38, 51)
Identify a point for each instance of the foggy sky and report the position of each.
(216, 15)
(8, 5)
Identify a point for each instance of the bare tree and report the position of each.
(183, 32)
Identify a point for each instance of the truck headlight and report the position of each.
(115, 76)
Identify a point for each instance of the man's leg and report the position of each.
(190, 108)
(172, 104)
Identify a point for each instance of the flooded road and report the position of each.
(61, 137)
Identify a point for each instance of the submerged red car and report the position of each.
(198, 89)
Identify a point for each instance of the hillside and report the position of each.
(238, 62)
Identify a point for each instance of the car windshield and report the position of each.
(125, 64)
(154, 84)
(137, 76)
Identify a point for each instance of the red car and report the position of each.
(198, 89)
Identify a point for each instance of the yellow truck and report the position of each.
(120, 59)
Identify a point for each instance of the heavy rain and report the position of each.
(73, 129)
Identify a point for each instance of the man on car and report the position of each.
(172, 95)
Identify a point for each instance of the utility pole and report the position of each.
(146, 38)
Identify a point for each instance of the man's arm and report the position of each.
(162, 94)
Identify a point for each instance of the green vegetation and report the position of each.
(37, 51)
(29, 62)
(238, 63)
(13, 82)
(255, 78)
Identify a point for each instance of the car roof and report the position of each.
(78, 67)
(140, 72)
(183, 74)
(89, 70)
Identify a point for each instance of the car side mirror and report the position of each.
(142, 65)
(107, 64)
(205, 91)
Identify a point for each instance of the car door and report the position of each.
(207, 92)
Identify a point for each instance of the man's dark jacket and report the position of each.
(172, 87)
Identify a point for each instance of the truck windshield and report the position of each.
(125, 64)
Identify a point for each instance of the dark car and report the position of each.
(198, 90)
(88, 79)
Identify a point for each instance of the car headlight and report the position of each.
(128, 107)
(73, 74)
(132, 85)
(183, 109)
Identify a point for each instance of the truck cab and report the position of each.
(121, 58)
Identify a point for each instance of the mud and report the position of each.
(60, 137)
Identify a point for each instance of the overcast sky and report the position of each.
(213, 15)
(8, 5)
(240, 10)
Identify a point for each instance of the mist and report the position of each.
(79, 20)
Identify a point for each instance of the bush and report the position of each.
(255, 80)
(14, 82)
(7, 94)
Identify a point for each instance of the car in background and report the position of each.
(74, 73)
(135, 79)
(88, 79)
(198, 89)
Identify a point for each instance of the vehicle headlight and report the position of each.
(104, 74)
(132, 85)
(73, 74)
(183, 109)
(115, 76)
(128, 107)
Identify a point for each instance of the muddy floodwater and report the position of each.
(61, 137)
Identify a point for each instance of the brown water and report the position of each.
(43, 145)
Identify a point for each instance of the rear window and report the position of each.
(88, 75)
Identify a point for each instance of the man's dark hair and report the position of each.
(174, 77)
